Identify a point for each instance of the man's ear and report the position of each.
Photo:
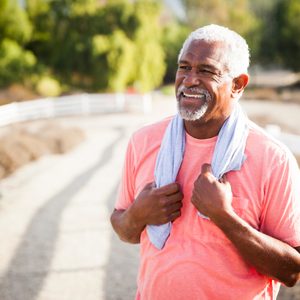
(238, 84)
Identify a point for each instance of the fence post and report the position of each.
(85, 104)
(147, 103)
(120, 101)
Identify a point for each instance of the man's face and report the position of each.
(203, 86)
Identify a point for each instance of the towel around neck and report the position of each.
(228, 156)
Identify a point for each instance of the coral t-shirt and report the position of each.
(198, 261)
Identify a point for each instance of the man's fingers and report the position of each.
(224, 179)
(150, 186)
(174, 207)
(168, 189)
(174, 216)
(177, 197)
(206, 168)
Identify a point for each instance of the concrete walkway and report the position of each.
(55, 236)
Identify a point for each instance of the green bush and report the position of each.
(113, 46)
(174, 35)
(48, 87)
(15, 62)
(288, 16)
(14, 22)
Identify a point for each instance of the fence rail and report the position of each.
(85, 104)
(82, 104)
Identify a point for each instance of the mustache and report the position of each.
(194, 90)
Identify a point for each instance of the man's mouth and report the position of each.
(194, 96)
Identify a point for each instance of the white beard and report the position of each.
(193, 115)
(189, 115)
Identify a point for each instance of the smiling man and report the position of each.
(211, 198)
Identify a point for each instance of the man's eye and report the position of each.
(205, 71)
(182, 67)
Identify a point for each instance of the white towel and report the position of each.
(228, 155)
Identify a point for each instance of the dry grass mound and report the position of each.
(19, 146)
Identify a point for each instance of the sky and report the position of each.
(177, 7)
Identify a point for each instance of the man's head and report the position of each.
(237, 52)
(212, 73)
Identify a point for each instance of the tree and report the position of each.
(108, 46)
(174, 35)
(235, 14)
(265, 12)
(288, 16)
(14, 23)
(15, 31)
(149, 55)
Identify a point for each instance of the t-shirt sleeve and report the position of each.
(281, 208)
(126, 188)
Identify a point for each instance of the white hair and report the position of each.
(237, 53)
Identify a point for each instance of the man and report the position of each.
(230, 220)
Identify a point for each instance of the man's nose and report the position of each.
(191, 79)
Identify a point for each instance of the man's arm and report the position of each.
(153, 206)
(268, 255)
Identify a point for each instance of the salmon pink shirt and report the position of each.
(198, 262)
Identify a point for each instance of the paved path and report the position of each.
(56, 240)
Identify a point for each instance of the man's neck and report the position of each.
(203, 130)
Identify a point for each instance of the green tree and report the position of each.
(174, 35)
(108, 46)
(267, 46)
(15, 30)
(235, 14)
(288, 16)
(14, 23)
(149, 54)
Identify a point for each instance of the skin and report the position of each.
(203, 65)
(153, 206)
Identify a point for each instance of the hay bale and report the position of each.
(17, 149)
(2, 172)
(20, 146)
(12, 154)
(60, 140)
(31, 144)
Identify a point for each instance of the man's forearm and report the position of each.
(126, 228)
(268, 255)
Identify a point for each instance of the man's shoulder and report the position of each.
(261, 143)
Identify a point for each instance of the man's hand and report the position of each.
(211, 197)
(153, 206)
(156, 206)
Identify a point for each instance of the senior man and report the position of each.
(211, 198)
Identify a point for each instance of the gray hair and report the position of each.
(237, 58)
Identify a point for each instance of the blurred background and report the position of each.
(77, 77)
(55, 47)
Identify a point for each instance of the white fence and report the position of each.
(85, 104)
(73, 105)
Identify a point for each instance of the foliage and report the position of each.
(265, 11)
(15, 30)
(235, 14)
(48, 87)
(14, 22)
(149, 55)
(288, 16)
(114, 55)
(15, 62)
(107, 47)
(115, 44)
(174, 35)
